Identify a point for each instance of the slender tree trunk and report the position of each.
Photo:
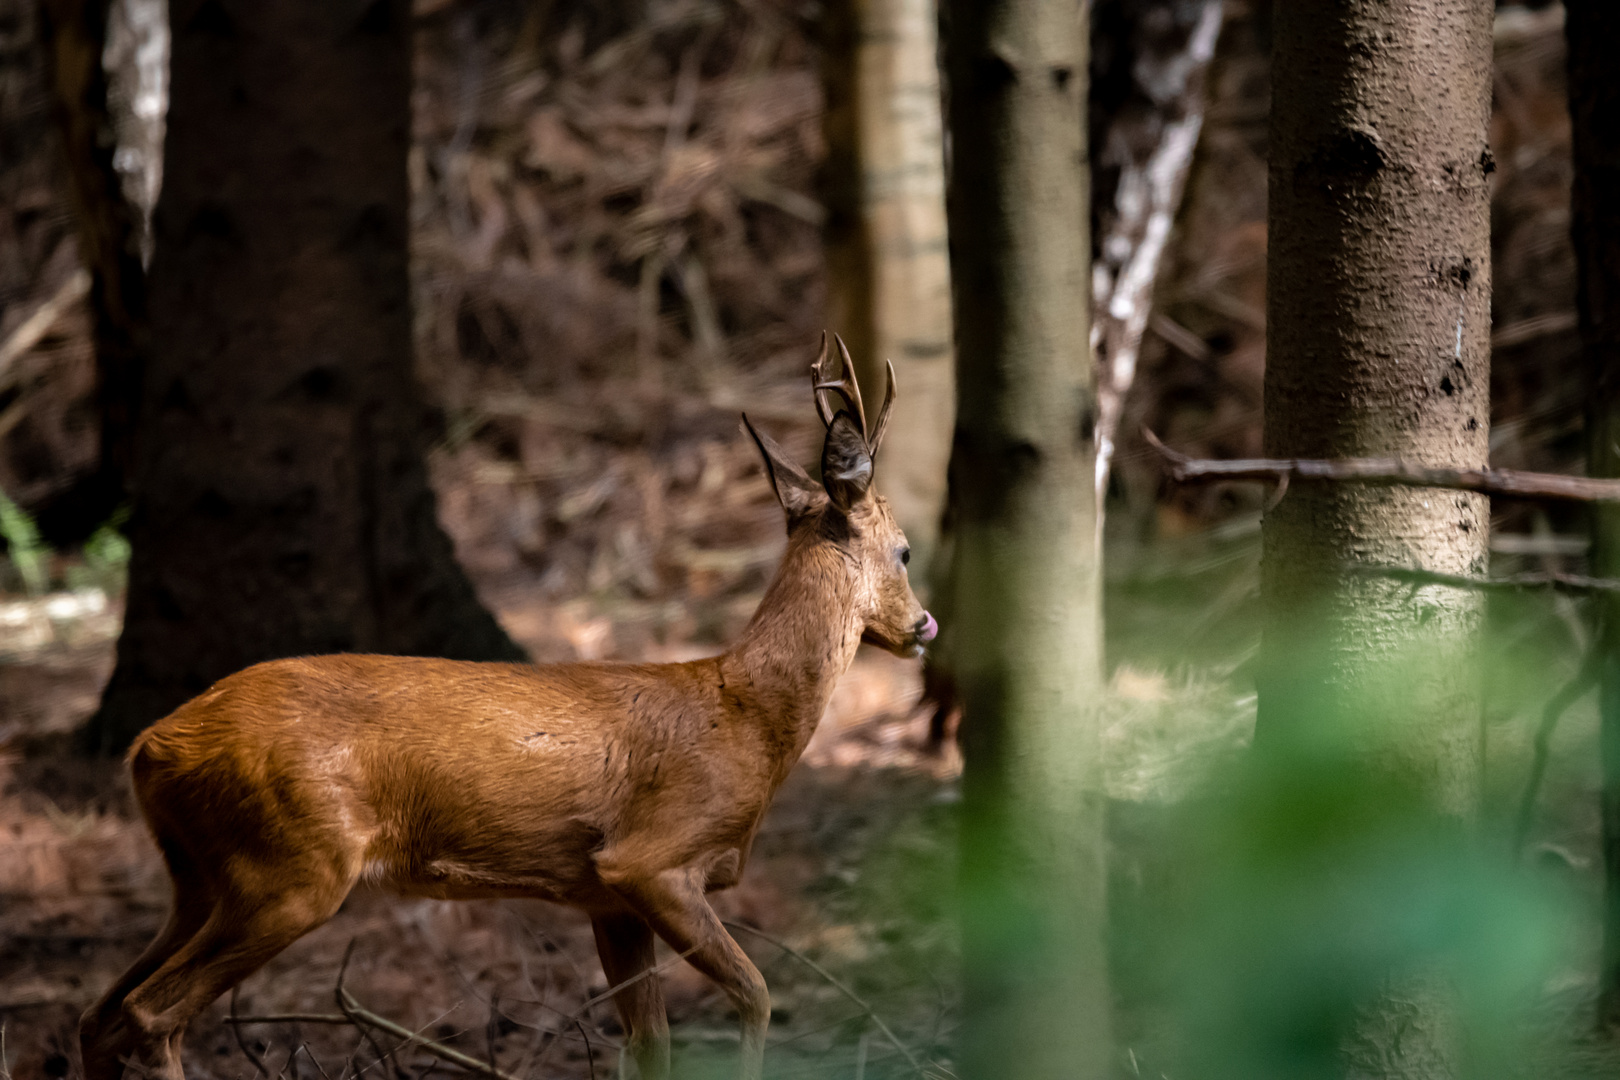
(904, 206)
(1378, 345)
(1025, 582)
(846, 232)
(1593, 30)
(282, 505)
(888, 268)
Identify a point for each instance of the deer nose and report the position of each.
(926, 629)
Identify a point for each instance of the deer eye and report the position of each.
(905, 556)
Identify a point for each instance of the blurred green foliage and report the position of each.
(28, 555)
(1300, 909)
(1292, 911)
(105, 557)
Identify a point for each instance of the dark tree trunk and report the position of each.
(282, 505)
(1593, 29)
(1378, 344)
(74, 36)
(1025, 586)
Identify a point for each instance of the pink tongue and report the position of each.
(930, 629)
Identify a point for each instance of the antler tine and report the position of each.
(846, 387)
(818, 372)
(883, 413)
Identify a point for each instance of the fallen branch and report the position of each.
(359, 1013)
(1388, 472)
(364, 1018)
(832, 981)
(366, 1034)
(355, 1015)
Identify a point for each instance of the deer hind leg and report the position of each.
(674, 905)
(104, 1037)
(625, 944)
(244, 931)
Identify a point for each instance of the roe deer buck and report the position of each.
(626, 790)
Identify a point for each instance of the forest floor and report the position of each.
(852, 870)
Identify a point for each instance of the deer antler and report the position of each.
(847, 388)
(882, 426)
(817, 373)
(844, 386)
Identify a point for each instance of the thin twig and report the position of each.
(36, 326)
(1388, 472)
(354, 1058)
(578, 1014)
(822, 1030)
(365, 1016)
(236, 1030)
(291, 1067)
(590, 1055)
(1570, 693)
(1571, 583)
(832, 981)
(360, 1017)
(290, 1018)
(341, 995)
(317, 1061)
(492, 1029)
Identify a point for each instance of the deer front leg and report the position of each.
(673, 904)
(625, 944)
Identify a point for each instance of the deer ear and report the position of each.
(798, 494)
(846, 463)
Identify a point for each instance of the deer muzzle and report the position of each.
(927, 629)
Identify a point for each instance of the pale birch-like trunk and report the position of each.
(888, 268)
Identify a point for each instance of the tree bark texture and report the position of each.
(1378, 345)
(886, 201)
(282, 505)
(1025, 584)
(1593, 31)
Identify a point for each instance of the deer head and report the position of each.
(843, 509)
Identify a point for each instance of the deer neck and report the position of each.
(799, 643)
